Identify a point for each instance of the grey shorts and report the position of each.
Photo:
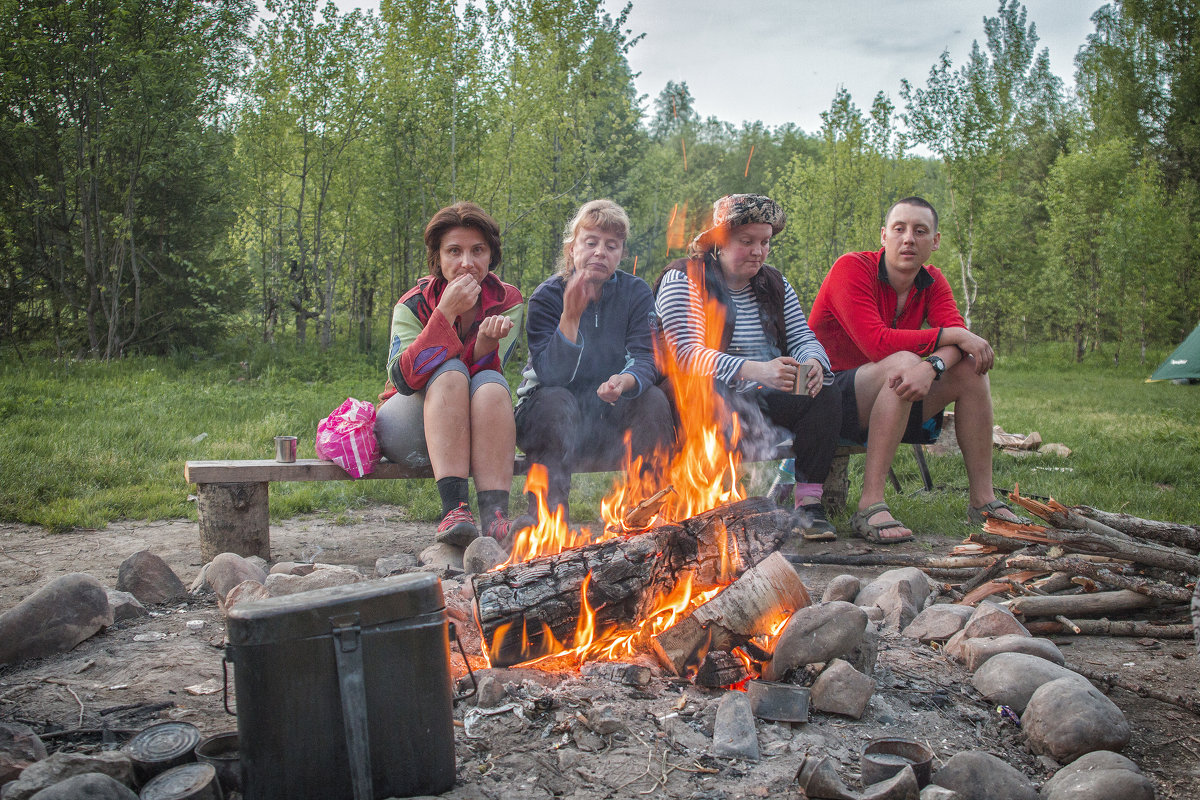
(400, 421)
(918, 430)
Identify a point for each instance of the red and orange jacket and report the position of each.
(423, 339)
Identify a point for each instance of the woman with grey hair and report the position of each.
(769, 365)
(591, 376)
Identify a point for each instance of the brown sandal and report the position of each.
(874, 533)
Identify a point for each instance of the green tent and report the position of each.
(1184, 363)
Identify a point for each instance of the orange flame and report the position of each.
(703, 469)
(551, 535)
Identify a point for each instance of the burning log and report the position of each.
(1105, 573)
(1096, 604)
(1166, 532)
(721, 668)
(533, 609)
(755, 604)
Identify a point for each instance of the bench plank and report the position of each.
(302, 469)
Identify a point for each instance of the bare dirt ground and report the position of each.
(156, 668)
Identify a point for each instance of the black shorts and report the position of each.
(918, 430)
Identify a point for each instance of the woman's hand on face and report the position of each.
(815, 376)
(459, 297)
(495, 328)
(611, 390)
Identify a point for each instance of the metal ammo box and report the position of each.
(344, 692)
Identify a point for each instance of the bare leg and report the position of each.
(887, 416)
(493, 438)
(448, 425)
(972, 398)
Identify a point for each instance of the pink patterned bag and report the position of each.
(347, 438)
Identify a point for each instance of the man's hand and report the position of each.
(971, 345)
(491, 331)
(459, 297)
(816, 376)
(912, 384)
(611, 390)
(781, 373)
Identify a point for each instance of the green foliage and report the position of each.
(172, 176)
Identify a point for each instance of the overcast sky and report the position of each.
(781, 61)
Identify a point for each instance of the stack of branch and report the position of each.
(1087, 571)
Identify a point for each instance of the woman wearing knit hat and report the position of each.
(769, 365)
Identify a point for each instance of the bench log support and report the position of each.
(234, 518)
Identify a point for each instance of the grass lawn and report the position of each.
(83, 443)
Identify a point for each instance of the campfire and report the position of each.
(680, 568)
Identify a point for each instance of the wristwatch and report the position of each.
(938, 365)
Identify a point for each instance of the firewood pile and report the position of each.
(1081, 567)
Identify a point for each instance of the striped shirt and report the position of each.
(679, 311)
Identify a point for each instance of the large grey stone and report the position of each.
(444, 559)
(843, 587)
(322, 577)
(916, 580)
(935, 792)
(88, 786)
(938, 622)
(1099, 775)
(1010, 679)
(125, 605)
(150, 579)
(841, 689)
(60, 766)
(976, 775)
(863, 657)
(482, 554)
(246, 590)
(395, 565)
(990, 619)
(979, 650)
(816, 634)
(899, 605)
(1067, 718)
(227, 570)
(55, 618)
(734, 734)
(20, 746)
(291, 568)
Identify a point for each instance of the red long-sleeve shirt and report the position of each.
(854, 313)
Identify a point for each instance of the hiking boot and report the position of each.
(813, 523)
(457, 527)
(499, 527)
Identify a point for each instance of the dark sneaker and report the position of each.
(458, 527)
(813, 523)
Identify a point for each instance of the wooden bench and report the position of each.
(232, 496)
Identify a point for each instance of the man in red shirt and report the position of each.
(901, 353)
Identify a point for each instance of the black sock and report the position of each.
(453, 491)
(490, 502)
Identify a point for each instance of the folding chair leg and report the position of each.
(919, 455)
(895, 480)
